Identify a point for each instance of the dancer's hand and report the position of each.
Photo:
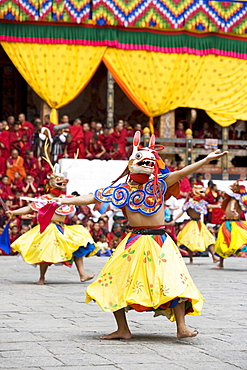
(215, 155)
(170, 223)
(59, 201)
(10, 214)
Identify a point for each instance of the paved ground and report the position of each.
(50, 327)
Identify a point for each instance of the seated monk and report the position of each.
(96, 150)
(71, 147)
(17, 184)
(15, 136)
(4, 141)
(5, 189)
(77, 134)
(24, 145)
(31, 164)
(15, 163)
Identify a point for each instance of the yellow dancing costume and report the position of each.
(195, 236)
(232, 235)
(232, 239)
(146, 272)
(57, 243)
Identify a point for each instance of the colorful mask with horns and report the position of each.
(56, 185)
(56, 181)
(144, 162)
(147, 170)
(196, 200)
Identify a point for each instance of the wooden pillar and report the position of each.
(167, 125)
(224, 163)
(146, 136)
(188, 155)
(110, 100)
(44, 110)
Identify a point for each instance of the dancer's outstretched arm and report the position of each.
(82, 200)
(178, 175)
(175, 219)
(20, 211)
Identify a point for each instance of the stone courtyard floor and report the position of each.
(50, 327)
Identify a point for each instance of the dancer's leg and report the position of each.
(123, 331)
(79, 265)
(220, 264)
(43, 268)
(211, 250)
(182, 330)
(191, 256)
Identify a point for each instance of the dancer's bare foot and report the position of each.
(84, 278)
(186, 333)
(41, 282)
(117, 335)
(215, 260)
(219, 266)
(191, 263)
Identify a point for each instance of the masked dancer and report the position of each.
(195, 236)
(51, 241)
(146, 271)
(232, 235)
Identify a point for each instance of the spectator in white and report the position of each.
(173, 205)
(100, 210)
(98, 128)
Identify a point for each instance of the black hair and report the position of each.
(75, 193)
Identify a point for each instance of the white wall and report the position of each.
(86, 176)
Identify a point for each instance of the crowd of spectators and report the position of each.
(107, 225)
(23, 171)
(22, 168)
(208, 131)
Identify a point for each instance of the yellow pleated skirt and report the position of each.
(232, 239)
(195, 236)
(55, 245)
(145, 273)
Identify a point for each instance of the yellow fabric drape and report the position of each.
(57, 73)
(158, 82)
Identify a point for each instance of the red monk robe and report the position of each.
(31, 166)
(44, 169)
(17, 184)
(87, 138)
(24, 145)
(120, 138)
(15, 138)
(2, 165)
(106, 140)
(4, 144)
(27, 128)
(5, 191)
(71, 149)
(78, 136)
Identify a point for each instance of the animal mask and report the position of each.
(142, 160)
(197, 192)
(56, 181)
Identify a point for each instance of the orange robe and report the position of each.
(17, 166)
